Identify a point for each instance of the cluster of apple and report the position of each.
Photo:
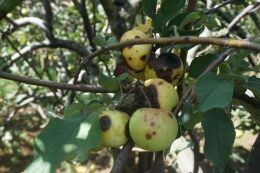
(152, 126)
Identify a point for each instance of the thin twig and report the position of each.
(213, 9)
(239, 17)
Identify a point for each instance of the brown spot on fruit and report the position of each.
(160, 83)
(165, 65)
(136, 37)
(170, 115)
(130, 58)
(143, 58)
(148, 136)
(104, 122)
(154, 133)
(152, 123)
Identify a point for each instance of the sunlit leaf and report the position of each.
(62, 138)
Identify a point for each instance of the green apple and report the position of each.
(167, 66)
(153, 129)
(114, 126)
(136, 56)
(157, 93)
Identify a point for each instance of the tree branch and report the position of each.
(48, 18)
(252, 164)
(50, 84)
(238, 18)
(122, 157)
(213, 9)
(81, 7)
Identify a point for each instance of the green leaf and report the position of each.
(219, 137)
(177, 20)
(62, 138)
(194, 118)
(169, 8)
(111, 83)
(99, 40)
(210, 21)
(112, 40)
(186, 112)
(213, 92)
(253, 84)
(190, 18)
(73, 108)
(199, 64)
(235, 59)
(149, 7)
(93, 104)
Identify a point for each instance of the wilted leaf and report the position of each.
(219, 137)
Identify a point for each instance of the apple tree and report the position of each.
(144, 74)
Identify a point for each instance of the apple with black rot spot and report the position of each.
(153, 129)
(135, 56)
(157, 93)
(114, 126)
(167, 66)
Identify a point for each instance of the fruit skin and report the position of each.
(160, 93)
(135, 56)
(153, 129)
(114, 126)
(167, 66)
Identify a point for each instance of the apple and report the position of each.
(114, 126)
(157, 93)
(153, 129)
(167, 66)
(136, 56)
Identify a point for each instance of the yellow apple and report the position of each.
(157, 93)
(153, 129)
(135, 56)
(114, 126)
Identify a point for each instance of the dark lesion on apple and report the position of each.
(165, 65)
(105, 122)
(148, 96)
